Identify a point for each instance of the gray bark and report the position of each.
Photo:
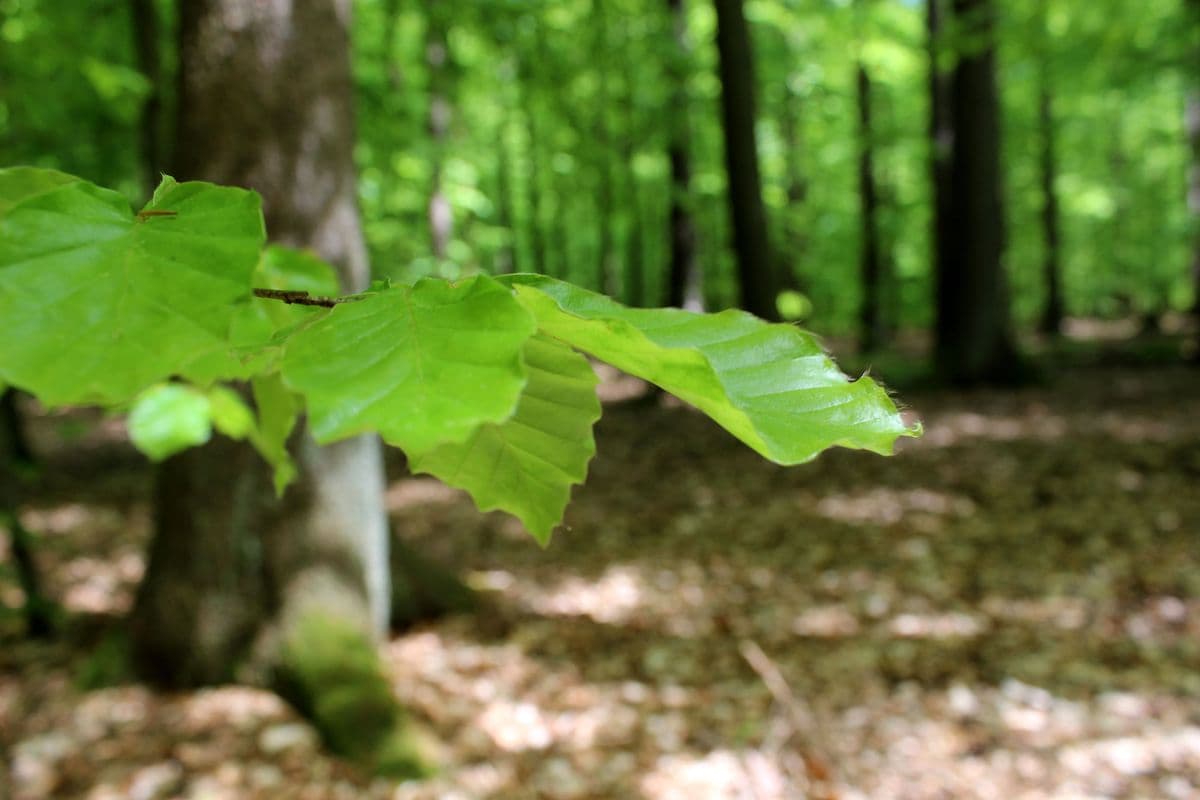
(265, 102)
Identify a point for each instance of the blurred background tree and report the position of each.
(586, 140)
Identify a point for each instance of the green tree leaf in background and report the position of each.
(772, 386)
(526, 465)
(99, 303)
(278, 411)
(169, 418)
(423, 365)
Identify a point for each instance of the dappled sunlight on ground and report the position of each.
(1008, 609)
(885, 506)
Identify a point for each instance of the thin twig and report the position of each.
(799, 719)
(300, 298)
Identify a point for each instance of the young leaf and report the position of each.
(169, 418)
(423, 365)
(527, 464)
(99, 303)
(278, 410)
(230, 414)
(772, 386)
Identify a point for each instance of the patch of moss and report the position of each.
(330, 671)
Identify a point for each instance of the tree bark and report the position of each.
(973, 342)
(1052, 313)
(16, 456)
(796, 187)
(872, 331)
(1192, 126)
(683, 277)
(506, 259)
(633, 278)
(941, 143)
(437, 59)
(145, 40)
(602, 142)
(751, 243)
(237, 579)
(534, 188)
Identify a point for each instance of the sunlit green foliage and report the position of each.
(476, 379)
(532, 85)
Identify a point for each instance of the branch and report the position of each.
(301, 298)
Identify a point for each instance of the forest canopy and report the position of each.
(543, 130)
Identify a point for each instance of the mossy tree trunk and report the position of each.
(238, 580)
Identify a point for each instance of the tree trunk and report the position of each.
(1192, 125)
(437, 59)
(683, 278)
(941, 143)
(237, 580)
(973, 338)
(872, 330)
(602, 143)
(796, 187)
(15, 457)
(14, 445)
(145, 40)
(1052, 314)
(535, 191)
(633, 282)
(751, 244)
(506, 259)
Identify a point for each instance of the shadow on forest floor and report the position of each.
(1010, 607)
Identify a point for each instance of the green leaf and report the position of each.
(772, 386)
(229, 413)
(259, 326)
(169, 418)
(18, 184)
(423, 365)
(99, 303)
(527, 464)
(278, 410)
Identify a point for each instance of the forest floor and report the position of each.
(1009, 608)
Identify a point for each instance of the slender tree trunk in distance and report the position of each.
(14, 444)
(145, 39)
(796, 189)
(751, 243)
(437, 59)
(1052, 314)
(537, 237)
(1192, 125)
(941, 144)
(507, 259)
(683, 277)
(240, 583)
(634, 276)
(603, 146)
(973, 339)
(16, 455)
(872, 330)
